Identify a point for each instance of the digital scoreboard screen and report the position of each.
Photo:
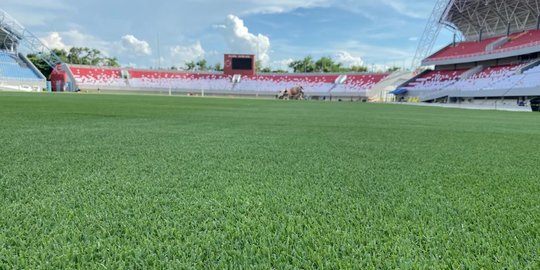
(239, 64)
(242, 64)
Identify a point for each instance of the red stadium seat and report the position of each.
(270, 83)
(521, 40)
(463, 49)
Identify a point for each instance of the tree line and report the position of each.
(322, 65)
(94, 57)
(326, 64)
(308, 64)
(74, 56)
(200, 65)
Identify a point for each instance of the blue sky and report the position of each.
(374, 33)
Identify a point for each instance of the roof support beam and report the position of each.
(492, 16)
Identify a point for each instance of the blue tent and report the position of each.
(399, 91)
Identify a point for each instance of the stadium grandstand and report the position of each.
(16, 71)
(497, 60)
(243, 82)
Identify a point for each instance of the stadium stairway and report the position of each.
(531, 65)
(381, 91)
(431, 96)
(469, 73)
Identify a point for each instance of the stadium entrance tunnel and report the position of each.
(535, 105)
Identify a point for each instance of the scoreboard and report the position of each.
(241, 64)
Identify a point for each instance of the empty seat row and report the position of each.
(474, 48)
(13, 68)
(151, 79)
(491, 78)
(498, 77)
(436, 79)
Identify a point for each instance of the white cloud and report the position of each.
(240, 40)
(347, 59)
(74, 38)
(43, 16)
(374, 54)
(405, 8)
(183, 54)
(281, 64)
(378, 68)
(139, 47)
(280, 6)
(127, 47)
(54, 41)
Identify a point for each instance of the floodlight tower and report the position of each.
(432, 30)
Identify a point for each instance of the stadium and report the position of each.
(497, 61)
(139, 168)
(234, 82)
(244, 81)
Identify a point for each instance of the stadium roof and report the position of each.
(6, 40)
(9, 32)
(489, 18)
(14, 35)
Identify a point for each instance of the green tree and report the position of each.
(217, 67)
(327, 64)
(62, 54)
(39, 60)
(111, 62)
(295, 65)
(202, 65)
(308, 65)
(88, 56)
(322, 65)
(189, 66)
(393, 69)
(358, 69)
(305, 65)
(261, 68)
(75, 56)
(40, 64)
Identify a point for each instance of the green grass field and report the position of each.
(138, 182)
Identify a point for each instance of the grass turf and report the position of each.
(105, 181)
